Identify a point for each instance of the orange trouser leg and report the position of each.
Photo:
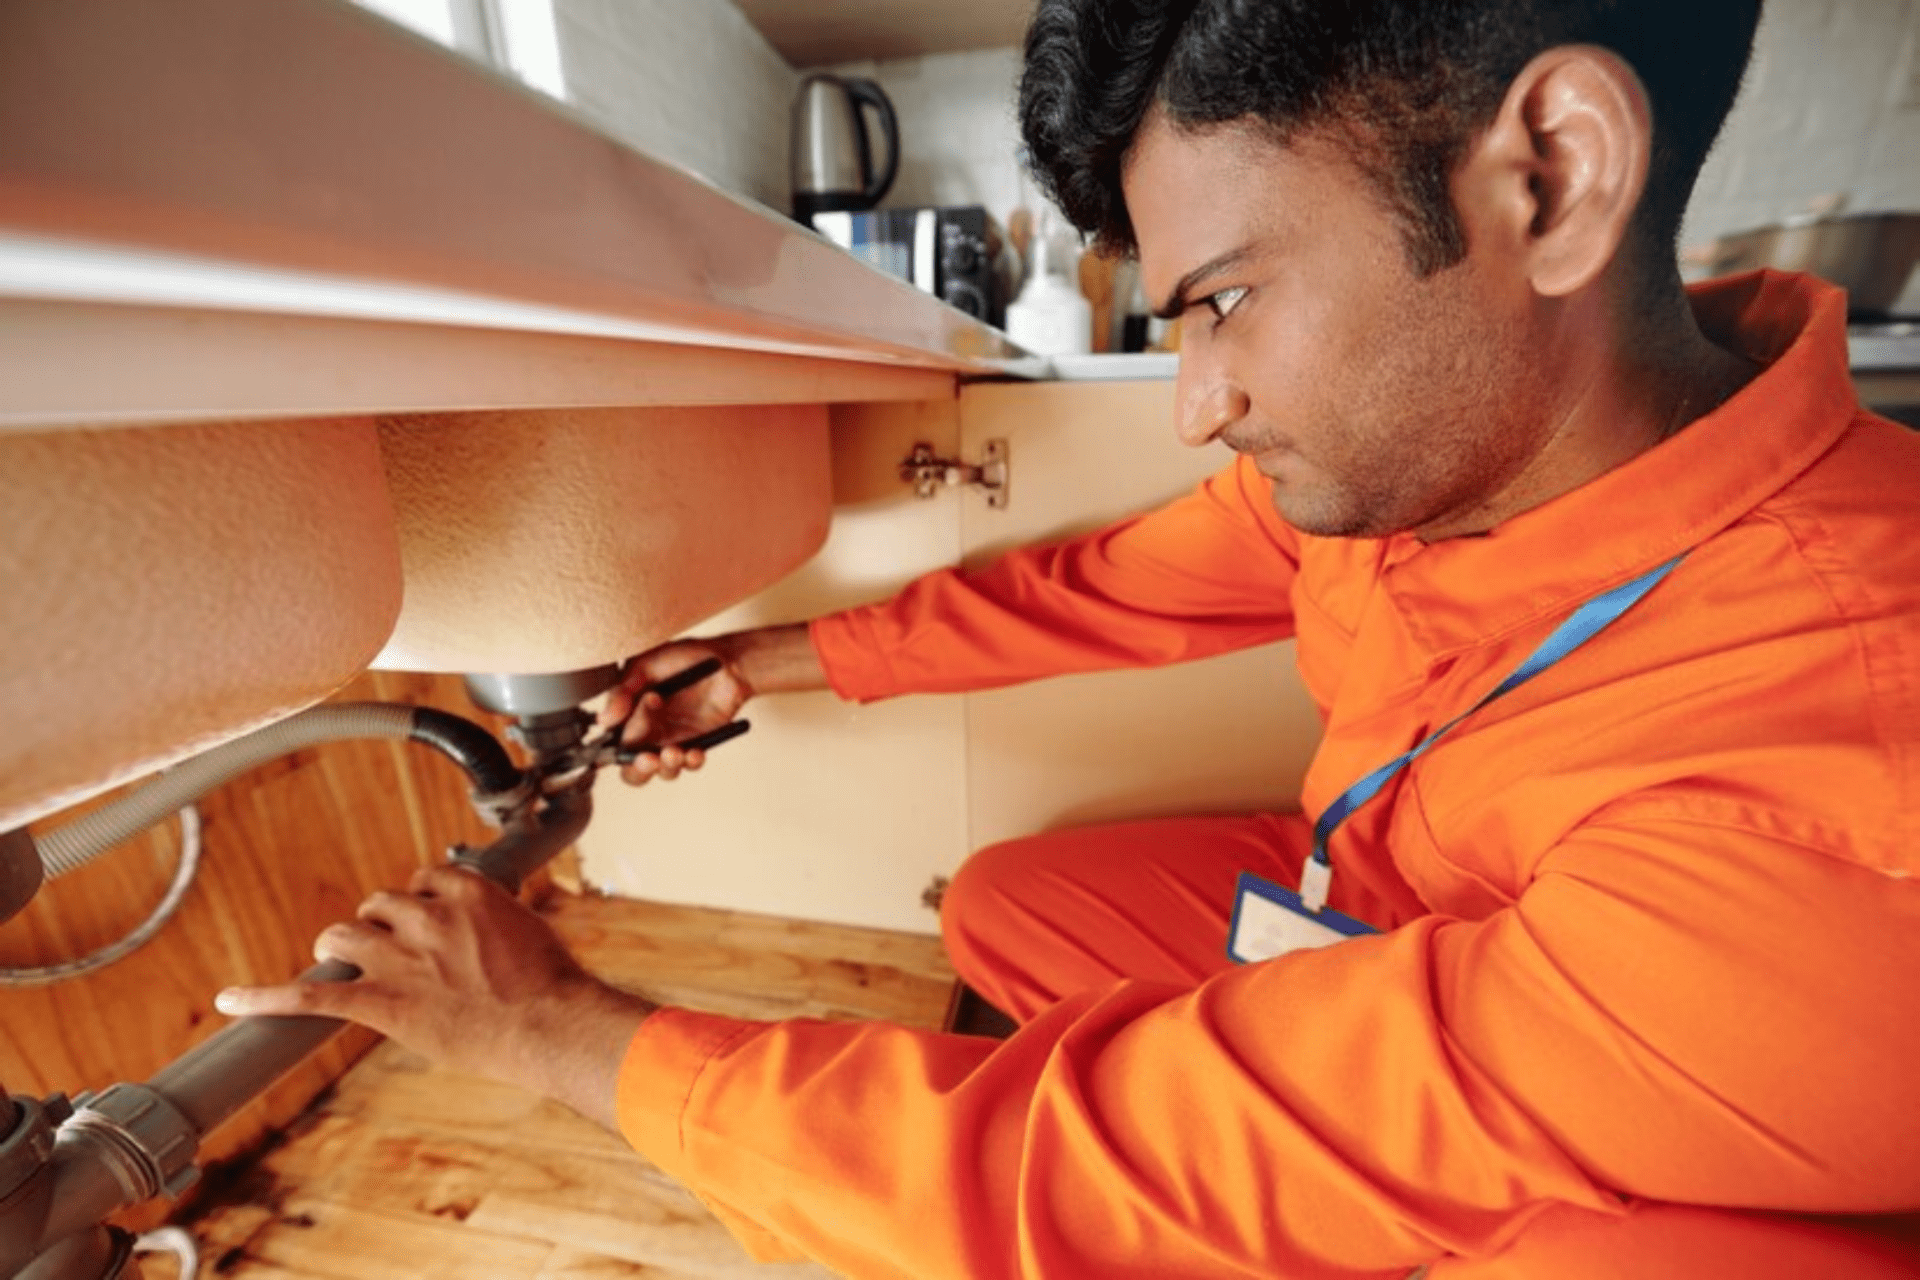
(1032, 920)
(1681, 1242)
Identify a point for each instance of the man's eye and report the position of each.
(1223, 302)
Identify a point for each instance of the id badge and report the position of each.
(1270, 921)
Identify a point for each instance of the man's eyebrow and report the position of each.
(1177, 301)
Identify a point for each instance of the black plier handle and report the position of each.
(610, 751)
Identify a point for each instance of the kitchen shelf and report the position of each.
(815, 33)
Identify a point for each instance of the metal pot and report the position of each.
(1870, 255)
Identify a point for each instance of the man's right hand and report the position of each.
(646, 717)
(767, 660)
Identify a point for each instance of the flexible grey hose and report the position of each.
(142, 933)
(83, 840)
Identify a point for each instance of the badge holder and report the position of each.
(1270, 920)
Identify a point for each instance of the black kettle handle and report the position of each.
(870, 93)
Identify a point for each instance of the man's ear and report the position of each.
(1558, 174)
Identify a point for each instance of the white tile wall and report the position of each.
(958, 136)
(1831, 106)
(690, 81)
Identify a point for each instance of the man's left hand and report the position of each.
(459, 970)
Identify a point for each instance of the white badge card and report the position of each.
(1270, 921)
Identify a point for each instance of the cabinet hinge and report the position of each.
(928, 473)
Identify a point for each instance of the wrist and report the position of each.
(578, 1040)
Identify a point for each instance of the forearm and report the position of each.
(773, 659)
(1207, 574)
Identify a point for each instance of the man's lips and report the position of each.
(1255, 444)
(1270, 456)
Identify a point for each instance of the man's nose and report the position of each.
(1207, 403)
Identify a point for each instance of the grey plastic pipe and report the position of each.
(140, 935)
(81, 841)
(223, 1073)
(473, 748)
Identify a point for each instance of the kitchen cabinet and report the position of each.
(843, 813)
(205, 249)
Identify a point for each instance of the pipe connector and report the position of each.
(20, 872)
(28, 1143)
(140, 1138)
(26, 1178)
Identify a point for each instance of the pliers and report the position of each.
(608, 749)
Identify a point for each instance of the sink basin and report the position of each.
(168, 588)
(557, 539)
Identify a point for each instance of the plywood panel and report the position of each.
(1229, 734)
(289, 848)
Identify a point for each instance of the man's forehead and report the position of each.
(1194, 194)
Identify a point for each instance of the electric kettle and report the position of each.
(833, 165)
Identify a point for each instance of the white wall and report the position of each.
(690, 81)
(1831, 106)
(958, 136)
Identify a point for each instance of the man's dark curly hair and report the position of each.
(1407, 83)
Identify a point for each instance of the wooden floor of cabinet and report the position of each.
(406, 1170)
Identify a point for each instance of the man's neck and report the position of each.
(1618, 399)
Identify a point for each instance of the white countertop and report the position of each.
(1884, 348)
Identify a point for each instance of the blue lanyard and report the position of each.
(1588, 621)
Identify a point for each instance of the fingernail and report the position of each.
(230, 1001)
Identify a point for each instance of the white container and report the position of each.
(1051, 317)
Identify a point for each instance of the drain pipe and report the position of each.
(497, 783)
(63, 1169)
(135, 1141)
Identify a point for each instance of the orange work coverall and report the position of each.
(1650, 942)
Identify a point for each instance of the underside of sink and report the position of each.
(554, 540)
(168, 588)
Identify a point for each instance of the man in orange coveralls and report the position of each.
(1642, 1000)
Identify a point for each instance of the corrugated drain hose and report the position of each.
(142, 933)
(470, 746)
(478, 752)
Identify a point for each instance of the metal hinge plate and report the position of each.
(928, 473)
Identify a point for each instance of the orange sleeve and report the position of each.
(1683, 1012)
(1203, 575)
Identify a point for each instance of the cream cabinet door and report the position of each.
(1224, 735)
(833, 812)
